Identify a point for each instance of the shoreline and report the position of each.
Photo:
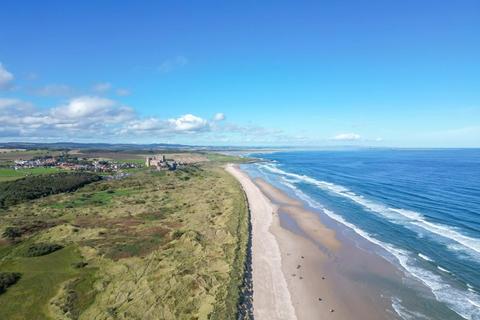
(309, 274)
(271, 297)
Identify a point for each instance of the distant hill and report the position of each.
(102, 146)
(120, 146)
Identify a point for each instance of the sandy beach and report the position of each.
(271, 296)
(301, 269)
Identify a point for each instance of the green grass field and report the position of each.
(7, 174)
(224, 158)
(136, 161)
(26, 154)
(41, 279)
(159, 245)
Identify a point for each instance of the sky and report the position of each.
(396, 73)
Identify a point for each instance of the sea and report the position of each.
(418, 209)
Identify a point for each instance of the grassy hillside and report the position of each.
(155, 245)
(8, 174)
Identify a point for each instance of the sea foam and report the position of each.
(396, 215)
(464, 303)
(443, 269)
(405, 313)
(424, 257)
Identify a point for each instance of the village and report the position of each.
(69, 162)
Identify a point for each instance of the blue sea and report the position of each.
(419, 209)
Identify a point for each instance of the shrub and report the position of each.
(41, 249)
(12, 232)
(7, 279)
(81, 264)
(177, 234)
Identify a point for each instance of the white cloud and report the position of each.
(7, 102)
(347, 137)
(141, 126)
(55, 90)
(102, 87)
(171, 64)
(96, 118)
(122, 92)
(6, 78)
(188, 123)
(93, 118)
(81, 116)
(219, 117)
(82, 107)
(11, 105)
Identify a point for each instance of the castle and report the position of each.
(160, 162)
(155, 161)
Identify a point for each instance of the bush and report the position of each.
(12, 232)
(7, 279)
(177, 234)
(41, 249)
(81, 264)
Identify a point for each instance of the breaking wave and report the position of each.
(464, 303)
(424, 257)
(405, 313)
(399, 216)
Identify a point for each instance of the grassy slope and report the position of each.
(29, 298)
(159, 245)
(7, 174)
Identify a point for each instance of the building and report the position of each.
(155, 161)
(160, 162)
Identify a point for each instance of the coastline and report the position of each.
(271, 297)
(300, 266)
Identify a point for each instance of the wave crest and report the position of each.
(396, 215)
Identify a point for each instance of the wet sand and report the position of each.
(302, 269)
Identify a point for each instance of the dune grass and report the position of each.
(155, 245)
(41, 278)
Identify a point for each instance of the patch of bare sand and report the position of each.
(276, 195)
(313, 228)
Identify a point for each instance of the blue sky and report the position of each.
(379, 73)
